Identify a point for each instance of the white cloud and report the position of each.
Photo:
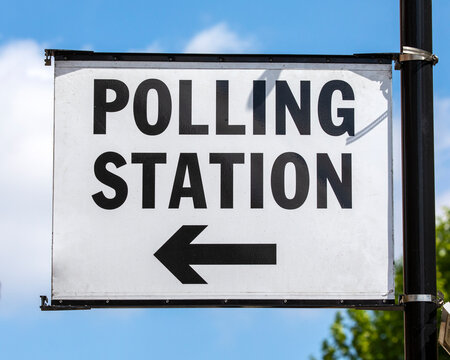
(154, 47)
(216, 39)
(87, 47)
(26, 167)
(442, 126)
(442, 200)
(442, 166)
(219, 39)
(442, 150)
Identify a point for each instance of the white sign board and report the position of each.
(209, 180)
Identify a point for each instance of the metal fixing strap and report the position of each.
(438, 300)
(410, 53)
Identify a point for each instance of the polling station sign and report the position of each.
(201, 178)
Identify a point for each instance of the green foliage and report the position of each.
(378, 335)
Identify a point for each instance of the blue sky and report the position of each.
(27, 27)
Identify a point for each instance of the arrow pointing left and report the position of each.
(177, 254)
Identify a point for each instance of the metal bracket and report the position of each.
(48, 57)
(410, 53)
(438, 300)
(46, 307)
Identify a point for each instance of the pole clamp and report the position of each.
(48, 57)
(410, 53)
(438, 300)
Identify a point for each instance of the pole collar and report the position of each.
(410, 53)
(438, 300)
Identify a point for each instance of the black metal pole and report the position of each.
(419, 247)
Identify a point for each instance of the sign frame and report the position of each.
(75, 304)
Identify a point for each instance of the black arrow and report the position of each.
(178, 253)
